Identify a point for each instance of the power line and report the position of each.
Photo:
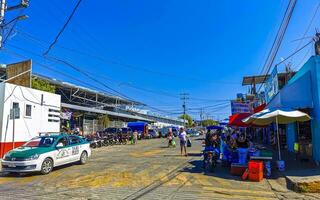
(68, 64)
(123, 65)
(63, 28)
(309, 25)
(80, 81)
(278, 39)
(280, 34)
(42, 65)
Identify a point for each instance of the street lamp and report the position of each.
(2, 26)
(21, 17)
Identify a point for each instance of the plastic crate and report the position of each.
(255, 166)
(256, 177)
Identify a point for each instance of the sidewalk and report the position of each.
(301, 175)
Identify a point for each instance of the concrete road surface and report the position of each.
(148, 170)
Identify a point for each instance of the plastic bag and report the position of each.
(189, 143)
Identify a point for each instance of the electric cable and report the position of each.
(63, 28)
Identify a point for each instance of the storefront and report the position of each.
(302, 92)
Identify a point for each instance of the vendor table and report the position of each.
(263, 158)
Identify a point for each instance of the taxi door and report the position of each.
(63, 152)
(76, 147)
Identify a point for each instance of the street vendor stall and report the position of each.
(284, 116)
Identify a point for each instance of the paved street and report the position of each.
(148, 170)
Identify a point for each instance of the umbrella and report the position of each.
(285, 116)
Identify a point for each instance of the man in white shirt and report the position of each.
(183, 141)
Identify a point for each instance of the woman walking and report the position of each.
(183, 141)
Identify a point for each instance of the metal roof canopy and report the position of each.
(85, 95)
(252, 80)
(110, 113)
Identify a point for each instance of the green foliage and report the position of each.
(209, 122)
(43, 85)
(103, 121)
(188, 118)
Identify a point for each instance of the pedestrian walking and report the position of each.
(170, 137)
(183, 141)
(135, 136)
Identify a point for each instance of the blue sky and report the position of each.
(201, 47)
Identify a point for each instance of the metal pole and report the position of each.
(279, 153)
(13, 128)
(2, 12)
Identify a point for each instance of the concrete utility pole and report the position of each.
(201, 117)
(2, 11)
(184, 98)
(3, 8)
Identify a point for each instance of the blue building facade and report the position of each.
(302, 92)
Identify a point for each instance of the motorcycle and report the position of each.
(93, 141)
(210, 157)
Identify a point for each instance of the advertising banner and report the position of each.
(241, 107)
(271, 87)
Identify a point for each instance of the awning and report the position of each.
(236, 119)
(259, 108)
(283, 116)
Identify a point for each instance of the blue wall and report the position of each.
(312, 66)
(303, 91)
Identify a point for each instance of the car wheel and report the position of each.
(83, 158)
(47, 166)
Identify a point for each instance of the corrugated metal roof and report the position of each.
(94, 110)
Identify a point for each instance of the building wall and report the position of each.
(312, 66)
(45, 114)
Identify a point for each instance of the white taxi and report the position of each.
(43, 153)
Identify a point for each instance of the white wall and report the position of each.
(45, 112)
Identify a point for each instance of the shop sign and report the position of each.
(241, 107)
(271, 87)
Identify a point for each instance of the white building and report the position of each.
(35, 112)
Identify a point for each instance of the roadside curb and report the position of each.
(276, 186)
(312, 186)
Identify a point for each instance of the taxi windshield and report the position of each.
(40, 142)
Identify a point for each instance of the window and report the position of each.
(74, 140)
(15, 111)
(63, 141)
(28, 110)
(40, 142)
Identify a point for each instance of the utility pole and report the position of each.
(3, 8)
(184, 98)
(201, 117)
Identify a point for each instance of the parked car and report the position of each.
(154, 133)
(43, 153)
(112, 130)
(193, 133)
(164, 131)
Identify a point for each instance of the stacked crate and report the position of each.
(255, 170)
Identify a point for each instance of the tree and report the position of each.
(188, 118)
(42, 85)
(103, 121)
(209, 122)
